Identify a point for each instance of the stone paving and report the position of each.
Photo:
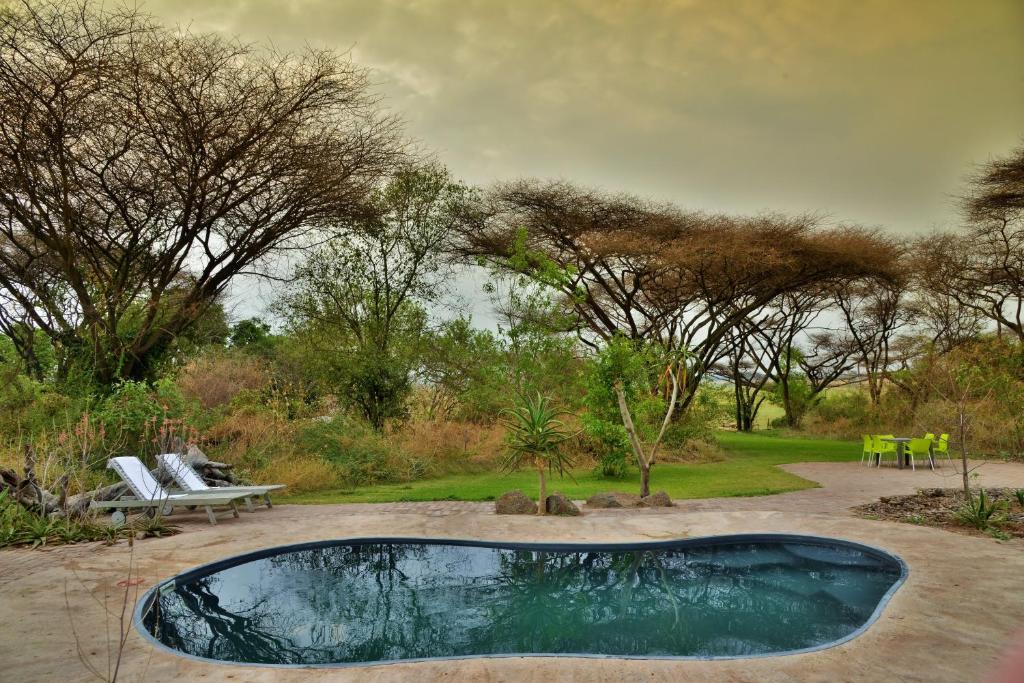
(960, 606)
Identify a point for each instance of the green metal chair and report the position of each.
(920, 448)
(866, 452)
(880, 448)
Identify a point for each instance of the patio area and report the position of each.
(949, 622)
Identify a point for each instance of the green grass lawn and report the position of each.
(748, 470)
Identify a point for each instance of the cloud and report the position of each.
(871, 111)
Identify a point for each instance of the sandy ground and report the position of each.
(962, 603)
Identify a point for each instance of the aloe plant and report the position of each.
(535, 438)
(979, 512)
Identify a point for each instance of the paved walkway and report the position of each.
(949, 622)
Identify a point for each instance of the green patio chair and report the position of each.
(881, 448)
(941, 445)
(866, 452)
(920, 448)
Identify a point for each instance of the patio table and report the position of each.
(901, 457)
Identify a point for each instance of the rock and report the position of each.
(557, 504)
(613, 499)
(514, 503)
(656, 500)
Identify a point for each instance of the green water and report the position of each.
(383, 602)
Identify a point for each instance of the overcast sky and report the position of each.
(868, 111)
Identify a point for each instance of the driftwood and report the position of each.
(27, 491)
(213, 473)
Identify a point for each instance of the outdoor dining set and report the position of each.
(904, 449)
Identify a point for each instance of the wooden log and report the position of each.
(78, 505)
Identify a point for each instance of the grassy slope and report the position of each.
(748, 470)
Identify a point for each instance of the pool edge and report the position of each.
(144, 602)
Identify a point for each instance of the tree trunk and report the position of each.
(645, 480)
(738, 400)
(874, 389)
(963, 454)
(634, 439)
(787, 404)
(542, 504)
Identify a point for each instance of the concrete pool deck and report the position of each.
(962, 603)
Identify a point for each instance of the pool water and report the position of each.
(384, 600)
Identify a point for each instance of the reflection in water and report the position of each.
(378, 602)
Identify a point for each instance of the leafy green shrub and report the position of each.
(1019, 495)
(28, 406)
(638, 367)
(697, 423)
(842, 404)
(146, 418)
(128, 410)
(608, 442)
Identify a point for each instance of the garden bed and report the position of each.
(940, 508)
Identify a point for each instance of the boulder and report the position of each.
(613, 499)
(514, 503)
(659, 499)
(557, 504)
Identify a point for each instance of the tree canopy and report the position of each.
(141, 169)
(654, 272)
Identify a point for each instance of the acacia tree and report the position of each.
(873, 312)
(748, 369)
(800, 356)
(358, 299)
(982, 270)
(651, 272)
(142, 169)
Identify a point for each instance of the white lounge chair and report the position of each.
(150, 497)
(191, 482)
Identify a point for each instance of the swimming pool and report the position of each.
(374, 600)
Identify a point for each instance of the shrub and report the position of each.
(697, 423)
(251, 437)
(19, 526)
(30, 407)
(638, 368)
(608, 443)
(448, 446)
(215, 379)
(360, 455)
(301, 473)
(843, 404)
(979, 512)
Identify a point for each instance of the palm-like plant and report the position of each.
(535, 437)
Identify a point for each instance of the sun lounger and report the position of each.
(149, 496)
(191, 482)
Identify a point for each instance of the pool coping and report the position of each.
(167, 585)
